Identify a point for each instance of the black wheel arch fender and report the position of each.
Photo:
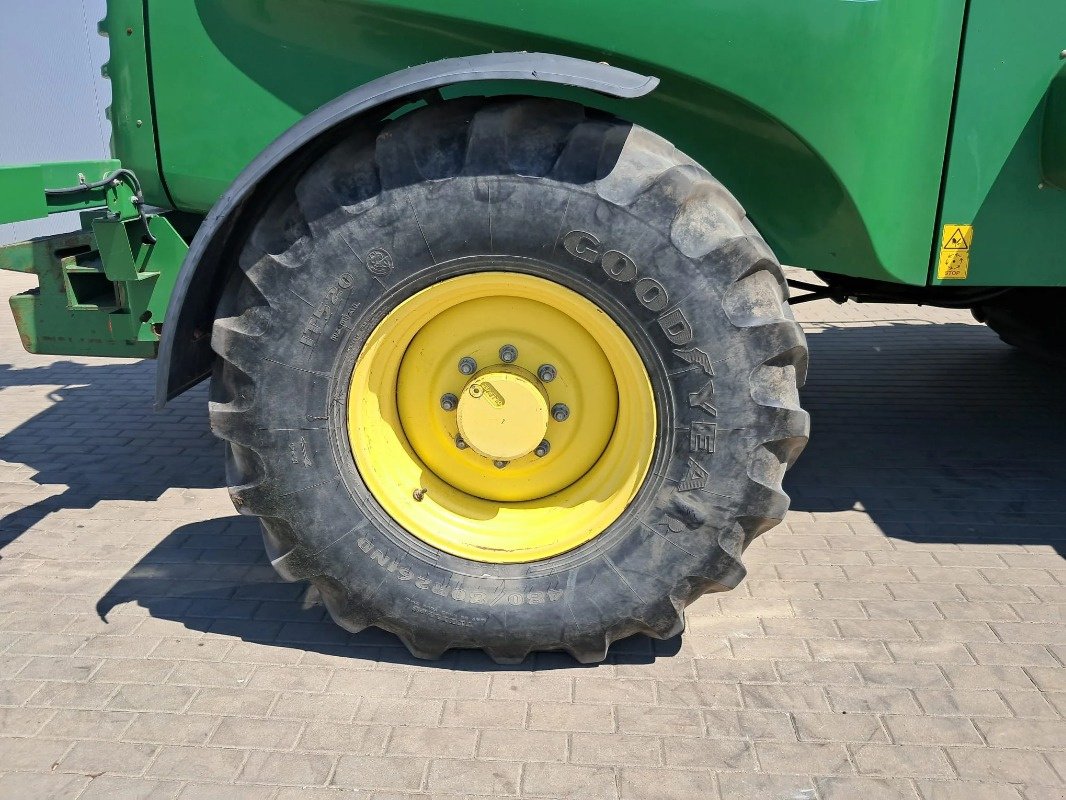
(185, 355)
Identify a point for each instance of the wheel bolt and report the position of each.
(449, 401)
(460, 443)
(542, 449)
(546, 373)
(508, 353)
(499, 464)
(560, 412)
(467, 365)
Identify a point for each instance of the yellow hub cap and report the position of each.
(501, 418)
(503, 414)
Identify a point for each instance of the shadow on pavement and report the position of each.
(937, 432)
(99, 439)
(213, 576)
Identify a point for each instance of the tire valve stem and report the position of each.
(467, 365)
(418, 494)
(508, 353)
(542, 449)
(499, 464)
(560, 412)
(449, 402)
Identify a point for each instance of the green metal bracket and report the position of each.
(1054, 145)
(103, 290)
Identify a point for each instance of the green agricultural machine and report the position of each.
(489, 294)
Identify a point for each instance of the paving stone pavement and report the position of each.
(900, 636)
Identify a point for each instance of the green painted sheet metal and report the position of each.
(22, 188)
(995, 177)
(827, 118)
(131, 114)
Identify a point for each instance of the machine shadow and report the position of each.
(938, 432)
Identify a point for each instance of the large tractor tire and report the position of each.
(508, 374)
(1030, 320)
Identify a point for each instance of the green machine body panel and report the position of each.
(854, 132)
(133, 134)
(1007, 159)
(827, 119)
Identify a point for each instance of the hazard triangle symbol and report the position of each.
(957, 241)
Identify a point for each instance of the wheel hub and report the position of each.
(501, 417)
(503, 413)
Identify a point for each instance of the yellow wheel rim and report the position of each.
(501, 417)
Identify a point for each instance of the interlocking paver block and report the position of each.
(749, 724)
(433, 742)
(197, 763)
(839, 727)
(526, 746)
(720, 755)
(746, 785)
(110, 787)
(932, 730)
(819, 758)
(850, 788)
(302, 769)
(902, 760)
(370, 772)
(492, 778)
(344, 738)
(569, 781)
(115, 758)
(1003, 766)
(54, 787)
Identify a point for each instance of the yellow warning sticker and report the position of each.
(955, 253)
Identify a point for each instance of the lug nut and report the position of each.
(467, 365)
(508, 353)
(449, 402)
(560, 413)
(546, 373)
(499, 464)
(460, 443)
(542, 449)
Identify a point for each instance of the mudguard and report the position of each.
(185, 355)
